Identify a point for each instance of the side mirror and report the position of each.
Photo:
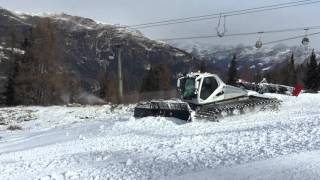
(178, 84)
(197, 84)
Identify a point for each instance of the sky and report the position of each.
(130, 12)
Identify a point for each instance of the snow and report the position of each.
(15, 15)
(18, 51)
(106, 142)
(297, 166)
(266, 69)
(2, 56)
(15, 50)
(252, 67)
(179, 54)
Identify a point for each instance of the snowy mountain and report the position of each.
(264, 59)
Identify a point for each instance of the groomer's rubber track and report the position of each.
(213, 112)
(180, 110)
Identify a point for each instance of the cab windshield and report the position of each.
(188, 88)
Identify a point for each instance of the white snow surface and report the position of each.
(106, 142)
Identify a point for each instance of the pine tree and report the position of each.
(12, 75)
(300, 71)
(108, 90)
(41, 76)
(203, 66)
(258, 76)
(286, 74)
(311, 80)
(232, 72)
(246, 73)
(318, 77)
(158, 79)
(292, 73)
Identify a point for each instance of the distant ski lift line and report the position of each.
(227, 13)
(290, 38)
(241, 34)
(275, 41)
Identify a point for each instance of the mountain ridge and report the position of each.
(90, 49)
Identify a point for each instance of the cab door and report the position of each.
(208, 87)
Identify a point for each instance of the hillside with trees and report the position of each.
(69, 59)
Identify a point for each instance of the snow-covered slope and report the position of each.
(305, 165)
(105, 142)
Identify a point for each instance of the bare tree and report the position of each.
(42, 77)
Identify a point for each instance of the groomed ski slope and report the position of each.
(102, 142)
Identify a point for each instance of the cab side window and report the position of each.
(209, 85)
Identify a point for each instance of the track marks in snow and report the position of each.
(113, 145)
(301, 166)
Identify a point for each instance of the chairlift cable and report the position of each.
(229, 13)
(241, 34)
(272, 42)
